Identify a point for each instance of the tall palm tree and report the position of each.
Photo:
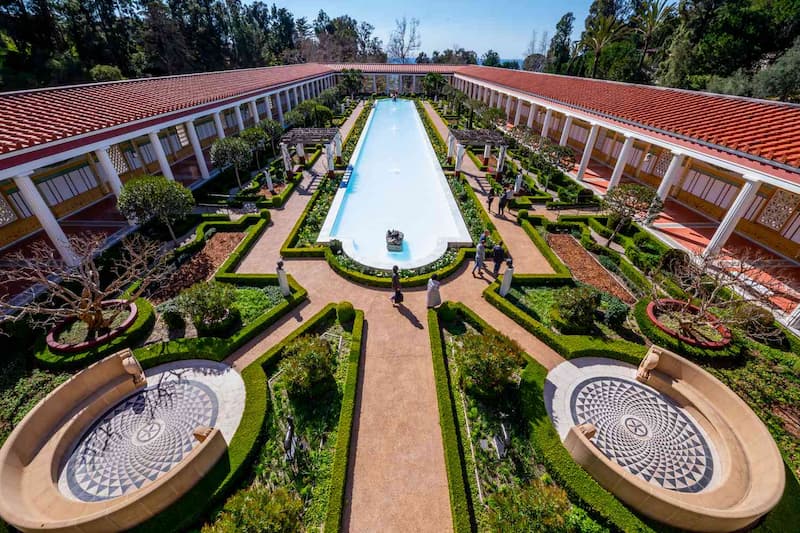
(655, 14)
(602, 32)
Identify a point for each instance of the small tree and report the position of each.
(208, 303)
(78, 293)
(351, 81)
(307, 366)
(733, 288)
(631, 202)
(231, 151)
(273, 131)
(155, 197)
(432, 83)
(487, 362)
(256, 139)
(329, 98)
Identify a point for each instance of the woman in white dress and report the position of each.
(434, 298)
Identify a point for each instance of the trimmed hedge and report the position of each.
(656, 335)
(336, 497)
(216, 348)
(579, 485)
(460, 498)
(288, 248)
(582, 489)
(139, 330)
(569, 346)
(349, 144)
(384, 282)
(558, 266)
(438, 143)
(243, 448)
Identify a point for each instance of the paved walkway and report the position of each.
(397, 481)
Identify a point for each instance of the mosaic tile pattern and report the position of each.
(644, 433)
(140, 439)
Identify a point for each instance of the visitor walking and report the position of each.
(433, 296)
(498, 255)
(397, 297)
(480, 256)
(501, 205)
(489, 199)
(484, 236)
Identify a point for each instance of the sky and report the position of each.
(504, 26)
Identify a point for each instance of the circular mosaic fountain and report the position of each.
(148, 433)
(644, 432)
(639, 428)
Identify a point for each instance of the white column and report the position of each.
(565, 131)
(337, 143)
(517, 114)
(109, 172)
(46, 218)
(587, 150)
(501, 159)
(254, 111)
(237, 110)
(622, 160)
(287, 160)
(670, 176)
(301, 153)
(508, 107)
(155, 142)
(548, 117)
(531, 114)
(218, 125)
(459, 156)
(269, 106)
(732, 217)
(449, 145)
(487, 151)
(280, 107)
(198, 149)
(374, 84)
(329, 156)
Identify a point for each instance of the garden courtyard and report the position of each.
(282, 389)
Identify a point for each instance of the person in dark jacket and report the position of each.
(498, 255)
(489, 199)
(397, 297)
(501, 205)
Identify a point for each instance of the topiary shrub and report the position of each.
(210, 306)
(345, 313)
(172, 314)
(488, 362)
(615, 311)
(575, 308)
(447, 313)
(307, 367)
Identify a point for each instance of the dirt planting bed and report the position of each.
(201, 266)
(585, 268)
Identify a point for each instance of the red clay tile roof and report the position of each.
(761, 128)
(31, 118)
(397, 68)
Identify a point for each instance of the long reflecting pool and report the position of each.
(394, 182)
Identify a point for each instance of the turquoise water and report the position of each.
(395, 182)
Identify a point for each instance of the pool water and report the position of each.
(394, 182)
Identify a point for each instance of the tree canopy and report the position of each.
(743, 47)
(155, 197)
(49, 42)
